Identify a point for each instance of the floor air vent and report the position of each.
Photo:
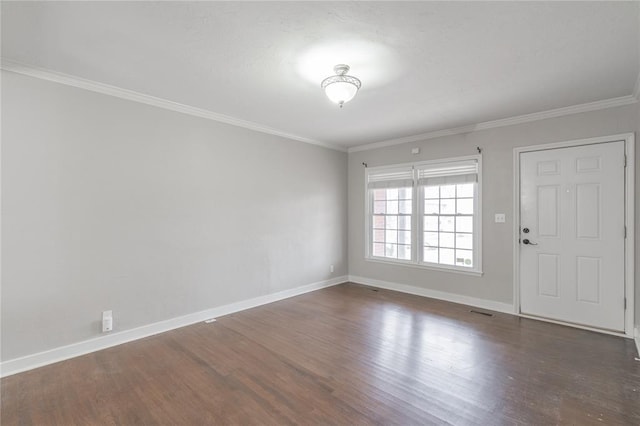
(486, 314)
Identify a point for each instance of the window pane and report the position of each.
(464, 258)
(391, 236)
(447, 256)
(405, 193)
(378, 221)
(379, 194)
(465, 206)
(378, 236)
(390, 250)
(392, 194)
(431, 239)
(431, 192)
(404, 252)
(392, 207)
(446, 239)
(404, 222)
(446, 223)
(448, 191)
(431, 223)
(404, 237)
(464, 241)
(392, 222)
(431, 206)
(405, 206)
(464, 224)
(447, 206)
(465, 189)
(378, 249)
(379, 207)
(430, 254)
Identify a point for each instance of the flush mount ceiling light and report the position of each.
(341, 88)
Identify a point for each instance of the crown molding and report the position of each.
(106, 89)
(526, 118)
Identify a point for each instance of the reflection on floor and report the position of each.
(344, 355)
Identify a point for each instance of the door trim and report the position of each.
(629, 201)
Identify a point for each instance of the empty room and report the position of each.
(336, 213)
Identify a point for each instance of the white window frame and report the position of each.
(417, 214)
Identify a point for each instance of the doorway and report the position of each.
(572, 251)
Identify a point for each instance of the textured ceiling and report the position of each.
(424, 66)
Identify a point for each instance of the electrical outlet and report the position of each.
(107, 321)
(331, 268)
(500, 218)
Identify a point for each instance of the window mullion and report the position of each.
(418, 222)
(370, 225)
(455, 226)
(439, 221)
(476, 224)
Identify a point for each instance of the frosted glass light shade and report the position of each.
(341, 92)
(341, 88)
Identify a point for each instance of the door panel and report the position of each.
(548, 274)
(572, 204)
(548, 210)
(588, 279)
(588, 210)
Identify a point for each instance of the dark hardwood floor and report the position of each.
(346, 355)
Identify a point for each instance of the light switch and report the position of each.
(500, 217)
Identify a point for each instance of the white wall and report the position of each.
(497, 148)
(111, 204)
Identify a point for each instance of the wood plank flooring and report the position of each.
(345, 355)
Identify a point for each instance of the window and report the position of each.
(392, 222)
(426, 214)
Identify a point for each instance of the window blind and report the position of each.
(390, 178)
(448, 173)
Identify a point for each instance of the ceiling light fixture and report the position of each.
(341, 88)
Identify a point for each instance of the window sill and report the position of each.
(474, 273)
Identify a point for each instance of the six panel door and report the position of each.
(572, 234)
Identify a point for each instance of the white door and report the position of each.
(572, 235)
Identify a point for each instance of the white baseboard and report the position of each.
(40, 359)
(435, 294)
(637, 340)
